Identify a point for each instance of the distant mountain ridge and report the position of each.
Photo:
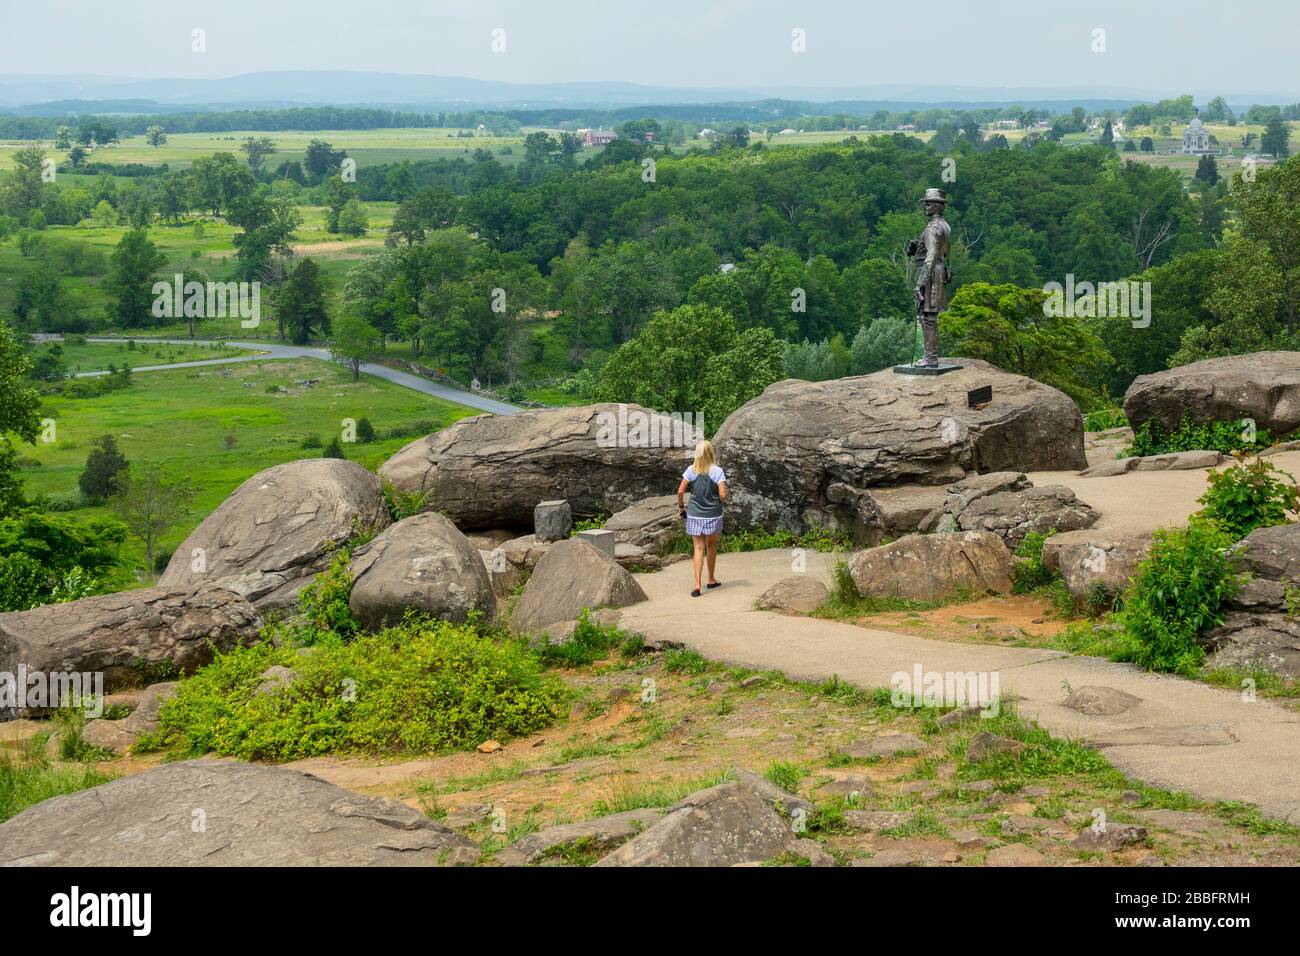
(43, 95)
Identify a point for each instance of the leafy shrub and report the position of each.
(324, 604)
(1245, 496)
(1178, 591)
(333, 450)
(403, 504)
(365, 431)
(56, 544)
(23, 583)
(421, 686)
(1101, 419)
(1031, 574)
(590, 642)
(589, 524)
(1223, 437)
(312, 441)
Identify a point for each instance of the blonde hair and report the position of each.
(704, 457)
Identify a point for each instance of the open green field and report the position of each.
(219, 425)
(97, 356)
(370, 147)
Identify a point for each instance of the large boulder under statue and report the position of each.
(490, 471)
(251, 815)
(281, 525)
(1264, 386)
(805, 453)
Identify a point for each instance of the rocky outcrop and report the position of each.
(572, 575)
(226, 813)
(118, 634)
(648, 524)
(278, 526)
(422, 562)
(721, 826)
(1173, 461)
(1095, 564)
(798, 593)
(491, 471)
(1264, 386)
(1096, 700)
(1260, 628)
(804, 452)
(120, 735)
(1014, 514)
(599, 835)
(931, 566)
(888, 513)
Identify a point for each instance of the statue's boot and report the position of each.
(930, 334)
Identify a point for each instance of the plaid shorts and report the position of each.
(703, 526)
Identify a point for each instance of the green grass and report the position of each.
(625, 797)
(180, 419)
(97, 356)
(28, 777)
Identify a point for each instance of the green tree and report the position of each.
(352, 339)
(886, 342)
(1009, 327)
(26, 187)
(268, 225)
(353, 220)
(692, 359)
(322, 160)
(1207, 170)
(19, 416)
(130, 280)
(150, 505)
(301, 303)
(258, 149)
(155, 136)
(1274, 140)
(105, 466)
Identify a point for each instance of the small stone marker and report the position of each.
(552, 521)
(601, 540)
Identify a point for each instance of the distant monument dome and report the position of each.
(1195, 137)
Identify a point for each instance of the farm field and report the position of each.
(217, 426)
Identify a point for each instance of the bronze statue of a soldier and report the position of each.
(929, 255)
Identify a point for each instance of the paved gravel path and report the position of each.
(1184, 735)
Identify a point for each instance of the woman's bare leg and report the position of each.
(713, 560)
(699, 558)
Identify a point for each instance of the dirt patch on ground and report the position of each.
(1013, 619)
(339, 250)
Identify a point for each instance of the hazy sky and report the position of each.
(1202, 46)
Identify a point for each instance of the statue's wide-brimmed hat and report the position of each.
(935, 195)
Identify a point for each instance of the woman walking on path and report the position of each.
(708, 486)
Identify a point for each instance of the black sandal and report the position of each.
(695, 593)
(715, 584)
